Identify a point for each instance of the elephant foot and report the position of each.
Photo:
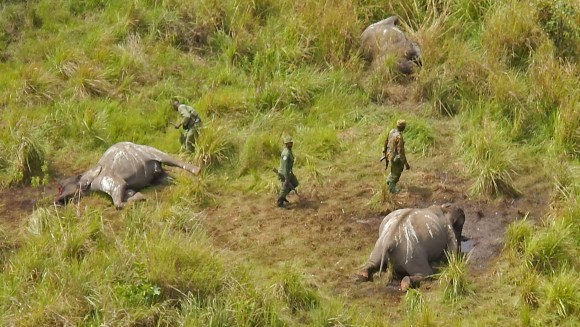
(362, 276)
(405, 283)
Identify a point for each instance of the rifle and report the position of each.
(386, 161)
(283, 179)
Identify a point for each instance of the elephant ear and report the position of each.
(89, 176)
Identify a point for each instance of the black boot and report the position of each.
(280, 202)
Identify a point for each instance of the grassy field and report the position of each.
(493, 125)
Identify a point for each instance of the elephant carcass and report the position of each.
(412, 239)
(384, 38)
(122, 170)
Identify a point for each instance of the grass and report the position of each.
(417, 311)
(488, 159)
(454, 278)
(78, 76)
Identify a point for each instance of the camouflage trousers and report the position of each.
(188, 138)
(396, 170)
(285, 188)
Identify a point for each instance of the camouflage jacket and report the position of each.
(190, 117)
(286, 162)
(395, 146)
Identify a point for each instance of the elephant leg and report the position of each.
(118, 192)
(418, 270)
(373, 264)
(169, 161)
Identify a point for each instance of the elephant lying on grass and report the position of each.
(384, 38)
(122, 170)
(411, 239)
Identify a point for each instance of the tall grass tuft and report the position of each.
(550, 250)
(560, 294)
(417, 311)
(453, 74)
(258, 151)
(454, 278)
(24, 156)
(529, 287)
(214, 146)
(565, 177)
(322, 142)
(518, 234)
(334, 313)
(488, 158)
(419, 137)
(559, 19)
(294, 289)
(511, 34)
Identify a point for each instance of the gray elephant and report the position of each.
(412, 239)
(122, 170)
(384, 38)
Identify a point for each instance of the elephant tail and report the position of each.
(387, 236)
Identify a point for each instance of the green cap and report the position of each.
(401, 123)
(288, 139)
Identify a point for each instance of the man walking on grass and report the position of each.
(191, 123)
(285, 174)
(394, 150)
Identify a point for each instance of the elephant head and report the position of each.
(456, 217)
(76, 185)
(384, 38)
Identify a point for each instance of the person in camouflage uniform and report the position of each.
(191, 123)
(394, 150)
(285, 174)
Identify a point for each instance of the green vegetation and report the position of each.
(497, 96)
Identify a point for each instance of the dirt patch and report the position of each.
(331, 228)
(17, 203)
